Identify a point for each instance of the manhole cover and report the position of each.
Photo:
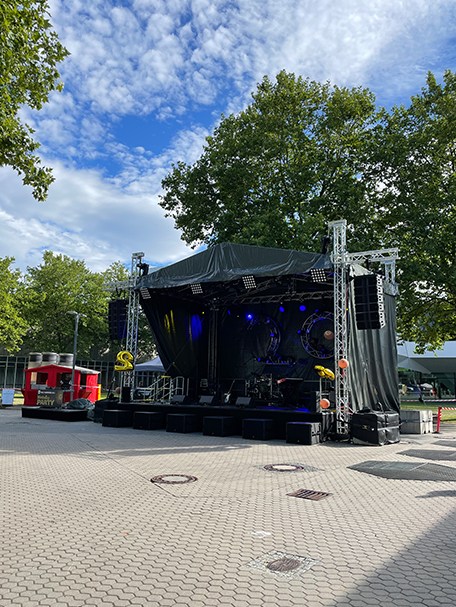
(284, 564)
(286, 467)
(173, 479)
(416, 471)
(443, 455)
(308, 494)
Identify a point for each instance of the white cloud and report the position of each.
(149, 55)
(166, 58)
(85, 218)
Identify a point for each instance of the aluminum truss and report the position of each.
(131, 341)
(342, 376)
(341, 260)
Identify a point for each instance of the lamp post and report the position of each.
(76, 315)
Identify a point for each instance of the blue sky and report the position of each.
(147, 81)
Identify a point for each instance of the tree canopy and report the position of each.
(12, 325)
(52, 289)
(36, 308)
(29, 54)
(277, 171)
(414, 170)
(303, 154)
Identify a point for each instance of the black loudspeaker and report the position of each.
(125, 394)
(219, 426)
(180, 399)
(117, 319)
(244, 401)
(304, 433)
(207, 399)
(369, 302)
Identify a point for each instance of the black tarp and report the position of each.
(219, 334)
(228, 262)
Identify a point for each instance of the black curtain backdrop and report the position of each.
(373, 360)
(262, 332)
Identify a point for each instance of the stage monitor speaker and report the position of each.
(207, 399)
(180, 399)
(369, 302)
(244, 401)
(117, 319)
(125, 394)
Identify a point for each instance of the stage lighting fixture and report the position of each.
(302, 308)
(196, 288)
(281, 308)
(318, 275)
(145, 293)
(249, 282)
(249, 316)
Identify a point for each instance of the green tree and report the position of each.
(278, 171)
(54, 288)
(413, 184)
(12, 326)
(302, 154)
(29, 54)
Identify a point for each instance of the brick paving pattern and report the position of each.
(82, 524)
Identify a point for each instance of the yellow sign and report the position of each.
(124, 361)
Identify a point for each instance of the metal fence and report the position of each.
(12, 371)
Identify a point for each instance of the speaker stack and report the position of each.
(369, 302)
(117, 319)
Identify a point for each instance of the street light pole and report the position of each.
(76, 315)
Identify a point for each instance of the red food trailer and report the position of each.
(50, 385)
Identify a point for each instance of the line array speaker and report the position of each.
(369, 302)
(117, 319)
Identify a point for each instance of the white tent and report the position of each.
(438, 361)
(154, 365)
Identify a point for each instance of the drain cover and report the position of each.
(416, 471)
(289, 468)
(173, 479)
(307, 494)
(284, 564)
(443, 455)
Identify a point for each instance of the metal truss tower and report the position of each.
(342, 376)
(131, 341)
(341, 260)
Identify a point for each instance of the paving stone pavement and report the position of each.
(81, 523)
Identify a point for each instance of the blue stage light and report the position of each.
(281, 309)
(302, 307)
(249, 316)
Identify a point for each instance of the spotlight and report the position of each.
(196, 288)
(302, 308)
(249, 282)
(249, 316)
(281, 309)
(318, 275)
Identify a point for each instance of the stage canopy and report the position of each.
(237, 317)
